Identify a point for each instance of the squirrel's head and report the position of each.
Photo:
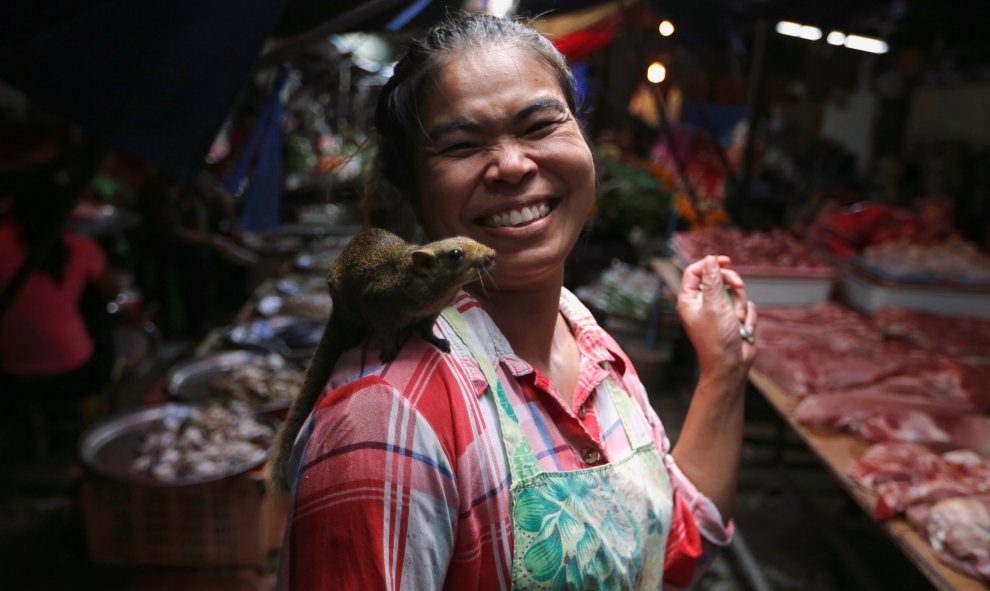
(454, 258)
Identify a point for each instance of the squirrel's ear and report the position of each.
(423, 260)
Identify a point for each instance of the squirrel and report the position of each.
(383, 286)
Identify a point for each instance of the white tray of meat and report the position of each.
(786, 291)
(868, 292)
(778, 269)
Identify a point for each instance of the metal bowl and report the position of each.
(292, 337)
(273, 244)
(190, 381)
(110, 446)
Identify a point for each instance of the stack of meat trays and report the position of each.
(869, 288)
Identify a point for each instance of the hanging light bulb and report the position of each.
(666, 28)
(836, 38)
(656, 73)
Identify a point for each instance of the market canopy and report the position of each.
(158, 78)
(155, 79)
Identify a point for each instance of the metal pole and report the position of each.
(662, 108)
(757, 72)
(751, 570)
(675, 151)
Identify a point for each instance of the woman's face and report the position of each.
(504, 162)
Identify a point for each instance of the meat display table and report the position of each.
(837, 450)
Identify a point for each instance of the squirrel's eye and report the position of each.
(455, 254)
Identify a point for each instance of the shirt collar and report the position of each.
(595, 344)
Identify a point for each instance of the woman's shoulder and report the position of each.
(421, 382)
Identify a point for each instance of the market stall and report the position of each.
(838, 452)
(914, 374)
(179, 481)
(719, 137)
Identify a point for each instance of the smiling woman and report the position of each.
(502, 142)
(528, 456)
(516, 217)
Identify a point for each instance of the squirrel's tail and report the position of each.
(317, 374)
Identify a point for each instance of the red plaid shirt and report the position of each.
(404, 483)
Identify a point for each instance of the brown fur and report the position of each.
(383, 286)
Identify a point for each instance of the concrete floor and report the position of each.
(798, 529)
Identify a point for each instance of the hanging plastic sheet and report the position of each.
(260, 213)
(155, 79)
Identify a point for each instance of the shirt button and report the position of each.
(591, 456)
(582, 411)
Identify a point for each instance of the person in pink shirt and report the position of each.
(528, 457)
(46, 346)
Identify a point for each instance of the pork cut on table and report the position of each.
(817, 369)
(954, 336)
(880, 416)
(943, 496)
(959, 531)
(892, 462)
(826, 347)
(947, 378)
(808, 350)
(908, 475)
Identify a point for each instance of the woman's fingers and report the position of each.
(693, 277)
(737, 290)
(749, 324)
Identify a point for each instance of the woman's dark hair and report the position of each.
(391, 198)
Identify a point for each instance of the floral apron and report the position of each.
(603, 527)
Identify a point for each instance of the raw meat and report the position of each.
(940, 378)
(805, 359)
(959, 532)
(891, 462)
(758, 253)
(940, 495)
(906, 475)
(952, 261)
(944, 424)
(953, 336)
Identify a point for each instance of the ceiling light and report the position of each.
(810, 33)
(788, 28)
(798, 30)
(499, 8)
(868, 44)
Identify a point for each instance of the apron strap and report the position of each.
(521, 457)
(627, 408)
(522, 460)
